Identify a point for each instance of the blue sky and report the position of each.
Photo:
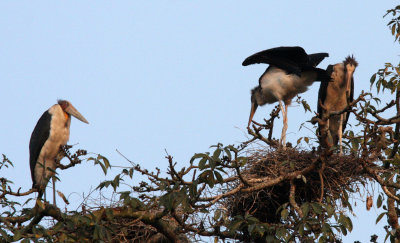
(155, 75)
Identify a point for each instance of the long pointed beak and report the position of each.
(74, 112)
(252, 111)
(348, 80)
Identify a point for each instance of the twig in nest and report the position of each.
(320, 172)
(292, 199)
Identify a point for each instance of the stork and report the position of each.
(335, 96)
(51, 132)
(291, 70)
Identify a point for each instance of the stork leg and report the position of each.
(340, 134)
(54, 191)
(284, 129)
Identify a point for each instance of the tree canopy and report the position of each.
(238, 192)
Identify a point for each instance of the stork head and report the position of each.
(254, 104)
(350, 65)
(71, 110)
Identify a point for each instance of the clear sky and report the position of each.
(155, 75)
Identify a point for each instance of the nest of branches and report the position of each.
(127, 230)
(329, 178)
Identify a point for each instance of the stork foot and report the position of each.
(341, 151)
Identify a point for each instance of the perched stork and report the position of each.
(333, 97)
(51, 132)
(291, 70)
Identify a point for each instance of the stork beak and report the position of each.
(252, 111)
(74, 112)
(348, 80)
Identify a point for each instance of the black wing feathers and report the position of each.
(292, 59)
(39, 136)
(317, 58)
(295, 54)
(323, 90)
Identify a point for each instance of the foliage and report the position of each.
(250, 192)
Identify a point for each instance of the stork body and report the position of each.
(50, 133)
(291, 71)
(335, 96)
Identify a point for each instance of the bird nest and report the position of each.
(135, 231)
(127, 230)
(340, 174)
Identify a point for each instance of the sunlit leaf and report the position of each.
(202, 163)
(284, 214)
(379, 217)
(317, 208)
(216, 153)
(379, 201)
(219, 177)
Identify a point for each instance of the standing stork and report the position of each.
(335, 96)
(291, 70)
(50, 133)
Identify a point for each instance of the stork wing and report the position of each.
(323, 90)
(39, 136)
(287, 58)
(316, 58)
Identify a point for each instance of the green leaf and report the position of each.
(250, 228)
(269, 238)
(17, 235)
(306, 106)
(219, 177)
(196, 156)
(193, 189)
(105, 160)
(317, 208)
(343, 229)
(379, 217)
(305, 208)
(228, 153)
(349, 224)
(216, 153)
(5, 235)
(301, 229)
(212, 163)
(329, 209)
(210, 178)
(102, 167)
(202, 163)
(373, 78)
(280, 232)
(115, 182)
(284, 214)
(379, 201)
(235, 225)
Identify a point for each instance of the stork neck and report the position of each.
(67, 118)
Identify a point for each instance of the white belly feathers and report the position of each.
(284, 86)
(59, 135)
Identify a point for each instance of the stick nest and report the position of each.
(340, 174)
